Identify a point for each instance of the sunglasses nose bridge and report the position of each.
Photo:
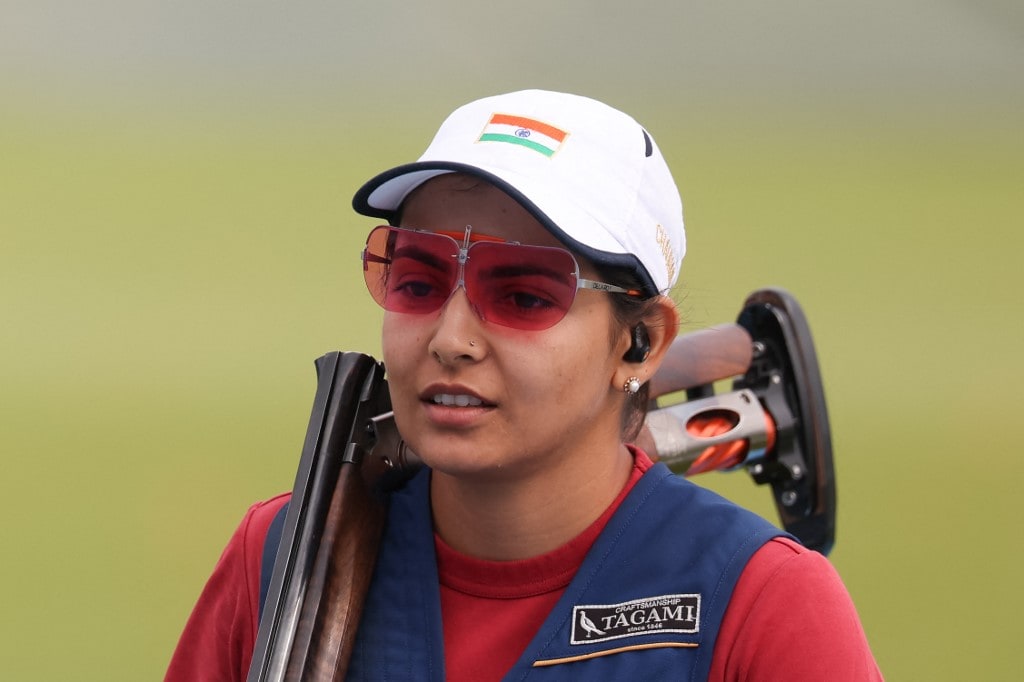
(464, 261)
(462, 257)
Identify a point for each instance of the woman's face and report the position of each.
(475, 399)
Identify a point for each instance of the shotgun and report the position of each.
(333, 524)
(773, 422)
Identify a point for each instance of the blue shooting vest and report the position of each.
(647, 602)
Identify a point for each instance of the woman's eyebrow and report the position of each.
(523, 269)
(422, 255)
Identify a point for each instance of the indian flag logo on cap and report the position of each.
(527, 132)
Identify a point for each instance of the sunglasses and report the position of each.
(507, 283)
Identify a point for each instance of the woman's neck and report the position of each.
(501, 519)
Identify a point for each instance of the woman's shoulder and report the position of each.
(783, 568)
(790, 594)
(247, 539)
(261, 514)
(253, 530)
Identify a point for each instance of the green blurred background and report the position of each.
(177, 246)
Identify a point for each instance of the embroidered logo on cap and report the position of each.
(668, 613)
(665, 243)
(527, 132)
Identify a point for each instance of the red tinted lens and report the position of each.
(523, 287)
(512, 285)
(408, 271)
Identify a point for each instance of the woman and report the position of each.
(524, 272)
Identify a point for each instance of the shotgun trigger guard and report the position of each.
(785, 377)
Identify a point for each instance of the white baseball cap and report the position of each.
(589, 173)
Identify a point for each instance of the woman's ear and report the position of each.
(650, 340)
(662, 322)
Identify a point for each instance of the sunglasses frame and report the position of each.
(462, 253)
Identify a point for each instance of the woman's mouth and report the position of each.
(456, 400)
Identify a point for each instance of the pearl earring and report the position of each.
(632, 385)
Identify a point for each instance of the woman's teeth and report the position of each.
(458, 400)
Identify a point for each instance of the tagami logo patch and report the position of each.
(668, 613)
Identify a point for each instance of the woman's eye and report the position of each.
(414, 283)
(417, 289)
(528, 301)
(413, 278)
(524, 297)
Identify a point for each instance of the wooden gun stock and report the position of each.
(703, 357)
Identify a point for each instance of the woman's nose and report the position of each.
(458, 335)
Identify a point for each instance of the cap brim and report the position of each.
(382, 197)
